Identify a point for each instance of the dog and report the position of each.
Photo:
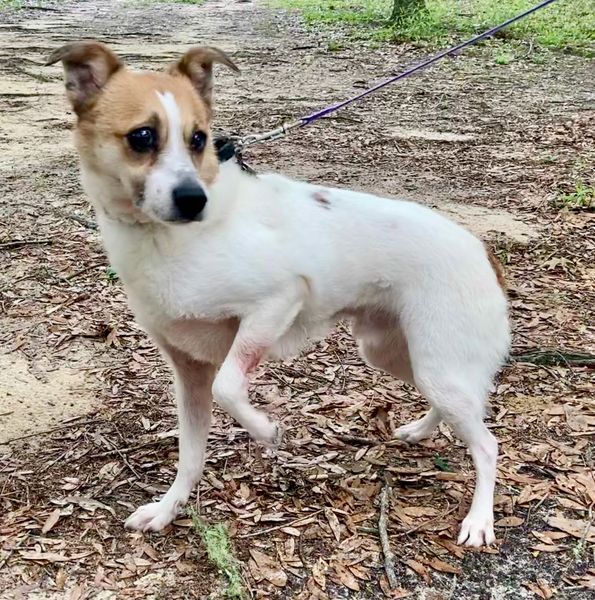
(224, 269)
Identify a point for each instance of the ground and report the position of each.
(87, 421)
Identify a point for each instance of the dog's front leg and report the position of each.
(258, 331)
(193, 381)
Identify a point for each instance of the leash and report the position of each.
(279, 132)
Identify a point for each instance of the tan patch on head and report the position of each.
(322, 199)
(497, 268)
(130, 101)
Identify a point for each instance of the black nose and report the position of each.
(189, 199)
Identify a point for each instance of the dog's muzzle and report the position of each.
(189, 200)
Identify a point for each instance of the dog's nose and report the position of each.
(189, 199)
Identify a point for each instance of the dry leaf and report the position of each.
(44, 556)
(548, 548)
(509, 522)
(575, 527)
(419, 569)
(60, 579)
(549, 537)
(346, 577)
(318, 572)
(444, 567)
(267, 568)
(333, 521)
(53, 518)
(183, 522)
(540, 588)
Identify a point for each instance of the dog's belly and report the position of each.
(203, 340)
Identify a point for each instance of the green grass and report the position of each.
(567, 24)
(111, 275)
(582, 197)
(10, 4)
(441, 464)
(219, 552)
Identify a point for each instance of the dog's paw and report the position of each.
(151, 517)
(264, 430)
(274, 441)
(477, 531)
(414, 432)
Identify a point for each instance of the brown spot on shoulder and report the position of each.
(322, 199)
(497, 268)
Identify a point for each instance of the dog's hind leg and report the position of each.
(193, 381)
(383, 345)
(421, 429)
(257, 333)
(462, 407)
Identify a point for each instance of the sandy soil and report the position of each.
(487, 144)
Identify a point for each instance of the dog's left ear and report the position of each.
(197, 65)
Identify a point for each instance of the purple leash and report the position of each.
(302, 122)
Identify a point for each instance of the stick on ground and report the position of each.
(389, 563)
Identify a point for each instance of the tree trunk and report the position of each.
(403, 10)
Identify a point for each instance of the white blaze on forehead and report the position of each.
(175, 156)
(174, 166)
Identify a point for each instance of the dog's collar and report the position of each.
(227, 149)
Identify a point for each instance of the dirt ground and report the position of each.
(86, 416)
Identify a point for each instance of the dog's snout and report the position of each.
(189, 200)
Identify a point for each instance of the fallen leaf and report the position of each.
(509, 522)
(89, 504)
(264, 567)
(444, 567)
(45, 556)
(346, 577)
(53, 518)
(183, 522)
(318, 573)
(418, 568)
(549, 537)
(333, 521)
(577, 528)
(548, 548)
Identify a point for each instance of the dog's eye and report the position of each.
(143, 139)
(198, 141)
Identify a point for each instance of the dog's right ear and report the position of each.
(87, 68)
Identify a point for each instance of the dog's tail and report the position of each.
(498, 269)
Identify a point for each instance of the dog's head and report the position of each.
(143, 137)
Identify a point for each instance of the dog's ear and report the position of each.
(197, 65)
(87, 68)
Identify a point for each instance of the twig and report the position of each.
(20, 243)
(84, 222)
(83, 271)
(389, 563)
(357, 440)
(556, 357)
(69, 423)
(291, 523)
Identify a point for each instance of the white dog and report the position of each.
(223, 268)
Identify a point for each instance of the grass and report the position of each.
(582, 197)
(219, 552)
(111, 275)
(567, 24)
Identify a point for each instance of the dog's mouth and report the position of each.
(178, 221)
